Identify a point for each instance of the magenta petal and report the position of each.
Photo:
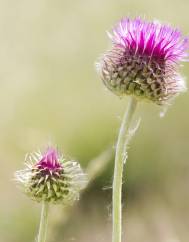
(151, 39)
(49, 160)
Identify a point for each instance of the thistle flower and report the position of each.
(144, 60)
(49, 177)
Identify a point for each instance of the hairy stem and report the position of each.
(120, 157)
(43, 222)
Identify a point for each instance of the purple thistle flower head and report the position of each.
(144, 60)
(50, 177)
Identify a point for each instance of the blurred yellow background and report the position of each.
(50, 93)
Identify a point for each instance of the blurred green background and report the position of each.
(50, 93)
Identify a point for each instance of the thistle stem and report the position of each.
(43, 222)
(123, 139)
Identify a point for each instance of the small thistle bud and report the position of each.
(51, 178)
(144, 61)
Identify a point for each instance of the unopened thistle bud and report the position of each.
(144, 60)
(49, 177)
